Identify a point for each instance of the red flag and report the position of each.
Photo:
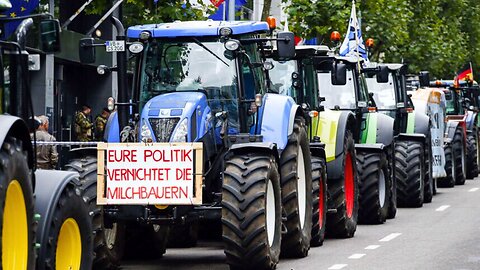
(217, 3)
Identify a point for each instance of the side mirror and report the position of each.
(382, 74)
(86, 51)
(424, 78)
(285, 45)
(339, 74)
(50, 36)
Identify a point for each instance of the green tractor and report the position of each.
(413, 177)
(352, 131)
(43, 221)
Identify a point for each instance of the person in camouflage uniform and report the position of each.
(100, 123)
(47, 155)
(83, 125)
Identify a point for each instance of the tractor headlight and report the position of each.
(181, 132)
(146, 132)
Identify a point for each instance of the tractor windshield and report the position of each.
(452, 107)
(281, 77)
(171, 66)
(337, 96)
(383, 93)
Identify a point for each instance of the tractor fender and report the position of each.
(17, 128)
(369, 147)
(47, 195)
(451, 127)
(112, 129)
(385, 129)
(470, 121)
(252, 147)
(417, 137)
(277, 118)
(422, 124)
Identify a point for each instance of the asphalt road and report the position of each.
(444, 234)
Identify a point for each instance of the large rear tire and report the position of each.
(252, 212)
(449, 180)
(108, 243)
(319, 198)
(429, 181)
(71, 244)
(458, 148)
(472, 166)
(16, 212)
(296, 182)
(374, 185)
(410, 173)
(344, 194)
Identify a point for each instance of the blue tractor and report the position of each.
(43, 218)
(205, 82)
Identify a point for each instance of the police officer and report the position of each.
(47, 155)
(83, 125)
(100, 123)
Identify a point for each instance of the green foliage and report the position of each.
(146, 11)
(435, 35)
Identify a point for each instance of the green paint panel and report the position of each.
(411, 123)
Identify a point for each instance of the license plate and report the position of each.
(115, 46)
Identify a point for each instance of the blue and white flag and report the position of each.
(353, 43)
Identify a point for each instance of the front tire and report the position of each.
(472, 166)
(449, 180)
(108, 243)
(296, 182)
(374, 186)
(252, 212)
(16, 212)
(344, 194)
(319, 198)
(458, 148)
(410, 173)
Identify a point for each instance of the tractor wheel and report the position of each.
(392, 205)
(108, 243)
(296, 185)
(344, 195)
(458, 150)
(374, 185)
(319, 206)
(252, 212)
(410, 173)
(146, 242)
(70, 244)
(449, 180)
(429, 187)
(183, 236)
(472, 166)
(16, 199)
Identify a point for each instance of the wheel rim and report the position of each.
(110, 236)
(15, 229)
(301, 187)
(381, 188)
(270, 213)
(349, 185)
(320, 203)
(69, 246)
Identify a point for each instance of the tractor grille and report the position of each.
(163, 127)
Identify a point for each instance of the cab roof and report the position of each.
(197, 28)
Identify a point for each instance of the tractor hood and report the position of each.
(172, 117)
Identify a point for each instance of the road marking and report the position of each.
(390, 237)
(372, 247)
(442, 208)
(473, 189)
(357, 256)
(337, 266)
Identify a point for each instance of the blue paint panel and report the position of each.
(190, 102)
(153, 112)
(112, 129)
(196, 28)
(275, 116)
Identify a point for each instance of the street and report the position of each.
(441, 235)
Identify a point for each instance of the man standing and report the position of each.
(83, 126)
(100, 123)
(47, 156)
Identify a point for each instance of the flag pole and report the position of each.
(356, 34)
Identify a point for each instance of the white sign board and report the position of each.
(162, 174)
(432, 102)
